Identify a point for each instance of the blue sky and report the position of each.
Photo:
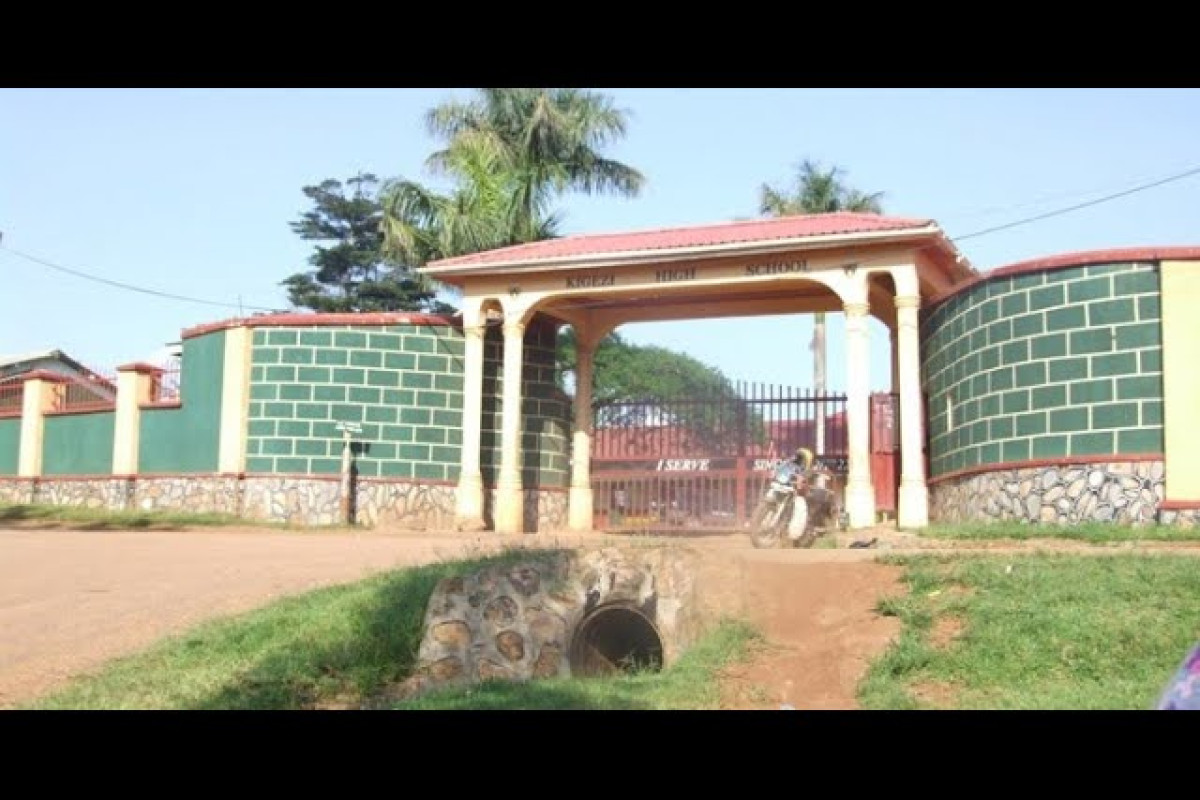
(191, 191)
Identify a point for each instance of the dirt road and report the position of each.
(69, 601)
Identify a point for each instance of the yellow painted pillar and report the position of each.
(135, 384)
(235, 401)
(510, 505)
(1180, 292)
(914, 493)
(469, 495)
(37, 400)
(580, 498)
(860, 495)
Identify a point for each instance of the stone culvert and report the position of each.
(565, 614)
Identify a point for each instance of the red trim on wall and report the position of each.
(161, 475)
(1077, 259)
(140, 367)
(305, 476)
(242, 476)
(1179, 505)
(127, 476)
(375, 479)
(292, 320)
(1045, 462)
(162, 404)
(14, 414)
(75, 478)
(245, 476)
(42, 374)
(70, 411)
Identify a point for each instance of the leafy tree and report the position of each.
(816, 191)
(353, 273)
(646, 385)
(421, 225)
(510, 153)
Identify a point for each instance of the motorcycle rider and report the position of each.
(792, 475)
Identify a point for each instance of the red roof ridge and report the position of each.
(735, 223)
(559, 243)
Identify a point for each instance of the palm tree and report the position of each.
(510, 154)
(545, 141)
(420, 225)
(817, 191)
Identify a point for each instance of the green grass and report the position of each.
(101, 519)
(689, 683)
(1054, 632)
(338, 645)
(97, 519)
(342, 646)
(1093, 532)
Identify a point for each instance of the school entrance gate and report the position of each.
(702, 463)
(862, 265)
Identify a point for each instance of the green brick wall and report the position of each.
(546, 427)
(10, 445)
(78, 444)
(403, 385)
(1050, 364)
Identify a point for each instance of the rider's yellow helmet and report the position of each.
(804, 455)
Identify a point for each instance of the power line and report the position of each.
(1042, 200)
(241, 307)
(128, 286)
(1077, 206)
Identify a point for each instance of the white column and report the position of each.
(580, 499)
(914, 494)
(469, 495)
(235, 401)
(860, 494)
(134, 384)
(38, 398)
(510, 505)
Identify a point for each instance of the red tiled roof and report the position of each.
(796, 227)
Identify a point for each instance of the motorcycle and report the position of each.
(790, 492)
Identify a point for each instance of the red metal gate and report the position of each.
(885, 451)
(700, 463)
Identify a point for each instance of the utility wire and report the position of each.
(1042, 200)
(1077, 206)
(131, 287)
(241, 307)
